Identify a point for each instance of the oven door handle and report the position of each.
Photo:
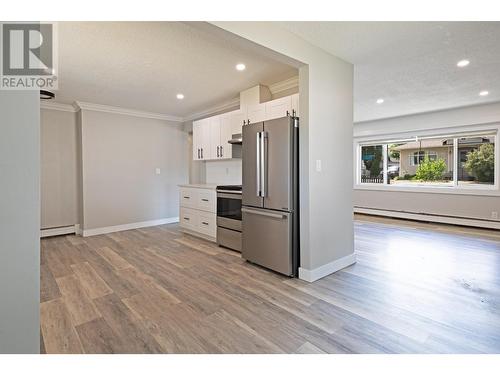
(228, 195)
(235, 192)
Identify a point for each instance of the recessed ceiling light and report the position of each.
(380, 101)
(180, 96)
(463, 63)
(484, 93)
(240, 67)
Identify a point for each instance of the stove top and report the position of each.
(229, 187)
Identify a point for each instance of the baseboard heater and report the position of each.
(59, 231)
(445, 219)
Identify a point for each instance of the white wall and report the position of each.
(19, 222)
(227, 172)
(469, 205)
(59, 173)
(326, 108)
(119, 156)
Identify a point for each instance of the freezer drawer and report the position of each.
(229, 238)
(267, 239)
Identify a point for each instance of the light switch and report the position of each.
(157, 171)
(318, 165)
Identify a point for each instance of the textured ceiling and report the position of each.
(412, 65)
(143, 65)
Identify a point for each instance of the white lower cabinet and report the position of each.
(188, 218)
(198, 212)
(207, 223)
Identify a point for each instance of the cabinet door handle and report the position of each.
(221, 154)
(198, 153)
(187, 197)
(204, 223)
(248, 121)
(186, 218)
(244, 122)
(217, 151)
(202, 152)
(205, 200)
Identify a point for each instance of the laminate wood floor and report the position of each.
(416, 288)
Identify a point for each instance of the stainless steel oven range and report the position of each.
(229, 216)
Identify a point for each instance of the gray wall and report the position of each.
(19, 222)
(473, 206)
(463, 206)
(59, 173)
(119, 157)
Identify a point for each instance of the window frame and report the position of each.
(455, 134)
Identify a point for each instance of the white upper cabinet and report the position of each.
(214, 136)
(237, 117)
(226, 133)
(211, 135)
(256, 113)
(197, 137)
(201, 139)
(295, 104)
(279, 108)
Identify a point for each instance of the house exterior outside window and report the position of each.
(414, 153)
(458, 161)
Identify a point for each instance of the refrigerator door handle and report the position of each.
(258, 159)
(268, 214)
(263, 162)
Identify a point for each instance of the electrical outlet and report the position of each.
(318, 166)
(494, 215)
(157, 171)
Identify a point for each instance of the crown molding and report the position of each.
(125, 111)
(222, 107)
(57, 106)
(287, 84)
(275, 88)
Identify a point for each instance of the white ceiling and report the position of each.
(412, 65)
(143, 65)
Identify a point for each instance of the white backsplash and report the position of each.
(223, 172)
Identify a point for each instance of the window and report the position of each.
(476, 161)
(446, 161)
(372, 164)
(418, 157)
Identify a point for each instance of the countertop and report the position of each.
(200, 186)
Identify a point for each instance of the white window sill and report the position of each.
(476, 190)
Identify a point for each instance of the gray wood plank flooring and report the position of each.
(416, 288)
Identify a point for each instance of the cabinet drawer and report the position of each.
(188, 197)
(188, 218)
(207, 223)
(206, 200)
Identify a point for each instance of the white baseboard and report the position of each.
(119, 228)
(57, 231)
(490, 224)
(326, 269)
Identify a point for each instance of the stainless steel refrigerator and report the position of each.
(270, 207)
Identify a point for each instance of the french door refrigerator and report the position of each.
(270, 209)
